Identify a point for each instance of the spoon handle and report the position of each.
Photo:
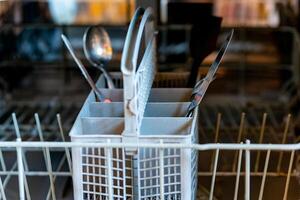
(108, 78)
(82, 68)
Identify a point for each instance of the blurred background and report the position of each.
(264, 52)
(259, 74)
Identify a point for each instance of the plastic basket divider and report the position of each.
(151, 126)
(170, 95)
(102, 126)
(161, 80)
(158, 109)
(156, 95)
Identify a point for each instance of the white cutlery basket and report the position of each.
(136, 115)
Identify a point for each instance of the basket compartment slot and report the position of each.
(102, 126)
(170, 95)
(116, 95)
(157, 126)
(116, 109)
(156, 94)
(99, 109)
(166, 109)
(161, 80)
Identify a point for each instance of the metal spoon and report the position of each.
(97, 49)
(83, 70)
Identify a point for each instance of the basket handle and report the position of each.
(141, 29)
(149, 31)
(142, 20)
(134, 38)
(126, 64)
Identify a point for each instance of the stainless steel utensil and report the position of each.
(97, 49)
(83, 70)
(202, 85)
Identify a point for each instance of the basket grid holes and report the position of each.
(150, 174)
(95, 174)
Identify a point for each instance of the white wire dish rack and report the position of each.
(226, 171)
(262, 165)
(40, 169)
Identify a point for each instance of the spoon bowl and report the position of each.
(97, 46)
(98, 50)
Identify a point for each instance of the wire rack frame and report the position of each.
(252, 153)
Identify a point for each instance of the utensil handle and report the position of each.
(108, 78)
(197, 97)
(202, 85)
(82, 68)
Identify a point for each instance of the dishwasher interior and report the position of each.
(254, 97)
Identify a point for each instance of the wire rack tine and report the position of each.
(216, 137)
(46, 153)
(8, 174)
(237, 180)
(241, 130)
(21, 172)
(287, 184)
(23, 157)
(18, 134)
(63, 139)
(16, 125)
(3, 196)
(66, 156)
(3, 166)
(262, 186)
(286, 130)
(214, 175)
(247, 172)
(261, 137)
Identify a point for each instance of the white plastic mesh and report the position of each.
(149, 174)
(95, 174)
(144, 79)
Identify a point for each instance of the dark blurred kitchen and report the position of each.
(259, 74)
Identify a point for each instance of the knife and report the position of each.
(202, 85)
